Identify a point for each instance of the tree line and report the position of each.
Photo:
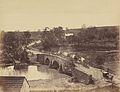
(95, 35)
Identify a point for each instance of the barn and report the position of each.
(13, 84)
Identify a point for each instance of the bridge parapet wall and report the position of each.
(80, 76)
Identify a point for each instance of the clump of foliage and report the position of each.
(13, 44)
(52, 38)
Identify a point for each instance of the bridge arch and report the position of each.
(55, 64)
(46, 61)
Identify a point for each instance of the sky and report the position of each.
(37, 14)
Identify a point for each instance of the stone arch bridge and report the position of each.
(64, 65)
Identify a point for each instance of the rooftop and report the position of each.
(12, 81)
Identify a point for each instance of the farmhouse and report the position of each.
(13, 84)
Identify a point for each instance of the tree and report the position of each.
(27, 36)
(12, 45)
(49, 39)
(24, 57)
(60, 34)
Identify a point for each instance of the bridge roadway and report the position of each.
(95, 72)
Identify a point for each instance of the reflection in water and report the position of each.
(31, 73)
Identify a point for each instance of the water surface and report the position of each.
(31, 73)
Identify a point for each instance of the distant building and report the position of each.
(75, 31)
(69, 34)
(13, 84)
